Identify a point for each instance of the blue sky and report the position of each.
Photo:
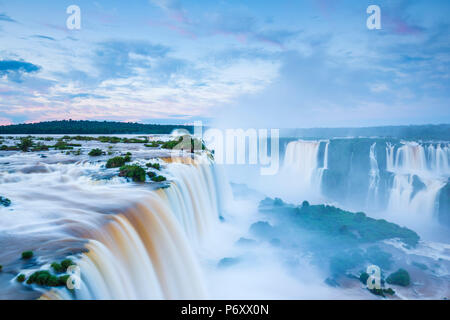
(294, 63)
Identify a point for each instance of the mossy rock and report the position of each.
(96, 153)
(21, 278)
(27, 255)
(135, 172)
(117, 162)
(158, 179)
(155, 166)
(400, 277)
(5, 202)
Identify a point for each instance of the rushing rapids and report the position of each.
(139, 248)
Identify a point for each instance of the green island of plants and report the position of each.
(400, 277)
(96, 152)
(155, 166)
(340, 224)
(135, 172)
(117, 162)
(27, 255)
(5, 201)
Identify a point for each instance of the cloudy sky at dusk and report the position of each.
(293, 63)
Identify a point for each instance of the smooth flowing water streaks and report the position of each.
(301, 162)
(420, 171)
(144, 253)
(414, 157)
(374, 177)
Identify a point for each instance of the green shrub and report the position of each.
(40, 147)
(62, 145)
(159, 179)
(95, 152)
(400, 277)
(25, 144)
(172, 144)
(151, 174)
(156, 166)
(63, 279)
(135, 172)
(116, 162)
(44, 278)
(27, 255)
(57, 267)
(21, 278)
(66, 264)
(5, 202)
(109, 139)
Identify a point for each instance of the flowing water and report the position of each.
(168, 240)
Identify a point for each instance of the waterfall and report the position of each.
(147, 251)
(420, 172)
(374, 177)
(413, 157)
(301, 162)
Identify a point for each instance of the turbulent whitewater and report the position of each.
(130, 241)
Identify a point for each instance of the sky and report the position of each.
(264, 64)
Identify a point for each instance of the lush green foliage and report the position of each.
(158, 179)
(62, 145)
(27, 255)
(62, 267)
(40, 147)
(186, 143)
(172, 143)
(154, 144)
(156, 166)
(335, 222)
(25, 144)
(96, 152)
(117, 162)
(400, 277)
(135, 172)
(89, 127)
(45, 278)
(21, 278)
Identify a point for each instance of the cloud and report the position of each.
(14, 69)
(4, 17)
(121, 58)
(38, 36)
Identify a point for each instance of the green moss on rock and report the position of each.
(5, 202)
(95, 152)
(21, 278)
(400, 277)
(27, 255)
(135, 172)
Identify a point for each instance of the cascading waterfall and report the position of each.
(419, 174)
(301, 162)
(374, 177)
(144, 252)
(405, 183)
